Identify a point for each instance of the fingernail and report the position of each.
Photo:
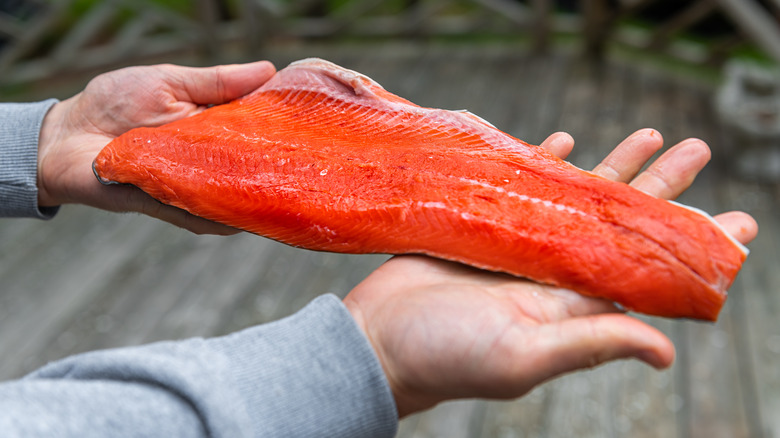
(563, 138)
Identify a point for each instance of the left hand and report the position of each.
(444, 331)
(75, 130)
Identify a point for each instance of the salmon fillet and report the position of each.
(324, 158)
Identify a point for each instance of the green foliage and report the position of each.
(80, 7)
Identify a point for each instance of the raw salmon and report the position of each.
(324, 158)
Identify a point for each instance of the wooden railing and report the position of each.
(47, 38)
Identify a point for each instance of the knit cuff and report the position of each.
(20, 127)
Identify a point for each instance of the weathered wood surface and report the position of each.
(89, 279)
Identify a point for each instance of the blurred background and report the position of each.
(59, 44)
(598, 69)
(40, 39)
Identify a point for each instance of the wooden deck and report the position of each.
(90, 279)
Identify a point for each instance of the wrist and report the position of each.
(51, 136)
(405, 401)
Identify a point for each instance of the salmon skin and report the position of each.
(324, 158)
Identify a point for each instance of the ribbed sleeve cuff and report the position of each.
(20, 126)
(338, 389)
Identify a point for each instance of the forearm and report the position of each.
(311, 374)
(19, 133)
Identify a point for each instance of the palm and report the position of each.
(444, 331)
(500, 335)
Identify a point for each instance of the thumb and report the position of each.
(222, 83)
(586, 342)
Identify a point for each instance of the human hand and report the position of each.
(444, 331)
(75, 130)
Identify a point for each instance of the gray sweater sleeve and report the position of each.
(20, 125)
(313, 374)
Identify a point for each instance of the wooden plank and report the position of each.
(535, 103)
(716, 400)
(759, 331)
(456, 419)
(524, 417)
(754, 297)
(576, 116)
(46, 302)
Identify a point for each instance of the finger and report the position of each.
(194, 224)
(222, 83)
(627, 159)
(740, 225)
(674, 171)
(129, 198)
(183, 219)
(559, 143)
